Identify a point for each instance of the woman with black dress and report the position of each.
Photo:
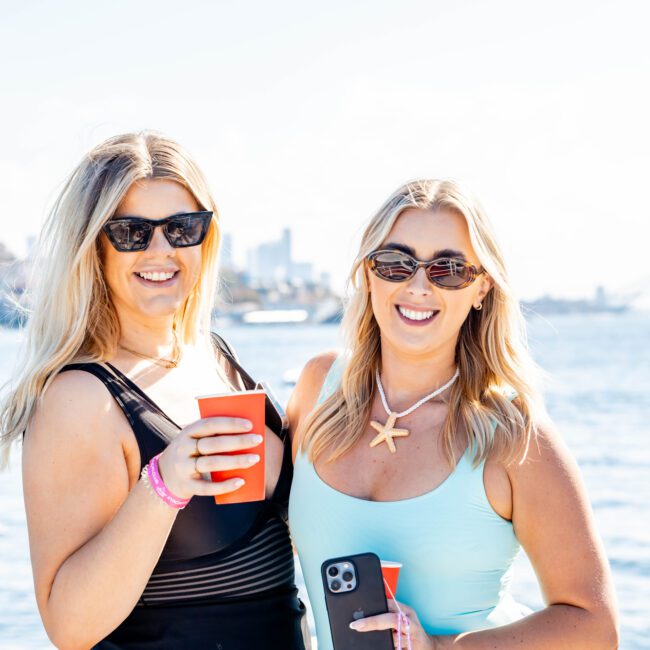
(128, 548)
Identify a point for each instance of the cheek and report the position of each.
(192, 262)
(382, 299)
(457, 306)
(111, 264)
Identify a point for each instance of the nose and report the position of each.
(159, 243)
(419, 284)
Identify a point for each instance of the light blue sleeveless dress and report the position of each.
(456, 552)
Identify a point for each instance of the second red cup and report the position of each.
(390, 571)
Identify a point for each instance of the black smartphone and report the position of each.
(354, 589)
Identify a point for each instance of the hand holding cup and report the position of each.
(205, 446)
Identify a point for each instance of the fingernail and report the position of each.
(357, 625)
(239, 482)
(253, 458)
(257, 439)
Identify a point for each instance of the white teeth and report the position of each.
(157, 276)
(415, 315)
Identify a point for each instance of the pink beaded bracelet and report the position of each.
(152, 473)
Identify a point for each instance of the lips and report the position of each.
(156, 278)
(416, 316)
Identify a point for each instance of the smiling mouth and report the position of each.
(156, 278)
(416, 317)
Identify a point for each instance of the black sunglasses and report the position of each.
(444, 272)
(129, 234)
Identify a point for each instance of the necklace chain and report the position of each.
(159, 361)
(419, 403)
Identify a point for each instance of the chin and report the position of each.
(416, 343)
(411, 345)
(164, 310)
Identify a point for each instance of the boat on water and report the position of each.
(275, 316)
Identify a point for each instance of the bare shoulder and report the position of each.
(317, 367)
(305, 394)
(74, 410)
(548, 491)
(547, 453)
(77, 428)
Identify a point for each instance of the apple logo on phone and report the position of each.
(358, 614)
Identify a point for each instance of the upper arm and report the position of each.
(75, 474)
(553, 521)
(305, 394)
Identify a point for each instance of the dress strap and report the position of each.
(124, 396)
(274, 419)
(110, 380)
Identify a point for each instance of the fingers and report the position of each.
(387, 621)
(208, 489)
(372, 623)
(220, 463)
(203, 448)
(218, 425)
(222, 444)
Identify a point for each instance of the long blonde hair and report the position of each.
(73, 317)
(491, 352)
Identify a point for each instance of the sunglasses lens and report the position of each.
(449, 273)
(187, 231)
(393, 266)
(129, 235)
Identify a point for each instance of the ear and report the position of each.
(486, 286)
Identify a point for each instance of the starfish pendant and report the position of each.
(387, 432)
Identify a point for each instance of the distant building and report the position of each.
(325, 280)
(226, 254)
(302, 271)
(6, 256)
(271, 262)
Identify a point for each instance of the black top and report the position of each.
(225, 578)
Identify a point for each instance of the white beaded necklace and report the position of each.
(387, 431)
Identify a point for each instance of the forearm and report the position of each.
(560, 627)
(97, 587)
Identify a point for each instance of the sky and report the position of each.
(310, 114)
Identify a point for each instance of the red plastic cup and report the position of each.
(249, 405)
(390, 571)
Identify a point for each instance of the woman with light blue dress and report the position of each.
(426, 442)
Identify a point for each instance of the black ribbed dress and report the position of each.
(225, 579)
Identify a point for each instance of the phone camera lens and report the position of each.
(348, 576)
(333, 571)
(336, 585)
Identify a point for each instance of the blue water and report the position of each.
(598, 392)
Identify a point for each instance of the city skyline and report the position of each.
(310, 123)
(279, 267)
